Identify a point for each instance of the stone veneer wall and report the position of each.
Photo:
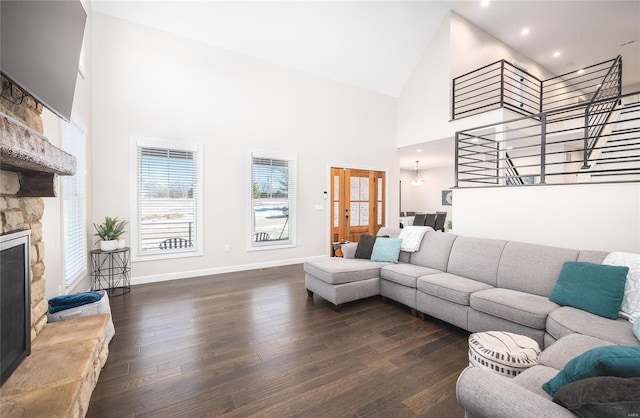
(22, 108)
(19, 213)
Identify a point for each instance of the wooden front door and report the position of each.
(357, 203)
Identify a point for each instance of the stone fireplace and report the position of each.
(57, 379)
(29, 165)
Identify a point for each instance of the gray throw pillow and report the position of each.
(365, 246)
(603, 396)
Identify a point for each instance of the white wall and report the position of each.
(427, 198)
(52, 217)
(472, 48)
(423, 104)
(587, 216)
(458, 46)
(153, 84)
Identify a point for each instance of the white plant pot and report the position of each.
(109, 245)
(121, 243)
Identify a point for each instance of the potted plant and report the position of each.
(109, 231)
(449, 225)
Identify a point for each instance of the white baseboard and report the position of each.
(219, 270)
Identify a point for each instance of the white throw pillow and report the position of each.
(630, 308)
(412, 237)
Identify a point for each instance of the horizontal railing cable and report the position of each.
(547, 147)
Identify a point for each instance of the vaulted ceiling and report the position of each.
(376, 45)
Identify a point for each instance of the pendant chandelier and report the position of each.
(417, 177)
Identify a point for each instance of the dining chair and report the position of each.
(418, 220)
(440, 220)
(430, 220)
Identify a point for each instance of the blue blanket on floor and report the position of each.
(60, 303)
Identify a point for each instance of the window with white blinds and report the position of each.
(273, 196)
(74, 225)
(168, 206)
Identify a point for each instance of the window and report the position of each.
(167, 209)
(74, 225)
(272, 200)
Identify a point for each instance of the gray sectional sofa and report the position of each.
(481, 285)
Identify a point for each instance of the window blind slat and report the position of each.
(167, 198)
(272, 190)
(73, 207)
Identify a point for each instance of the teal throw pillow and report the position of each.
(611, 360)
(594, 288)
(636, 328)
(386, 249)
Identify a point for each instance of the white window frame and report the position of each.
(197, 249)
(292, 159)
(69, 129)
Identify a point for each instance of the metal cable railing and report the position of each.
(504, 85)
(499, 84)
(552, 147)
(601, 106)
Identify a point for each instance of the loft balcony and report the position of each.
(574, 128)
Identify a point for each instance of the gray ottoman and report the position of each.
(340, 280)
(502, 352)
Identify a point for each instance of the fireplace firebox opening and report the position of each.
(15, 301)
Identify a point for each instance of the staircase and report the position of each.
(619, 154)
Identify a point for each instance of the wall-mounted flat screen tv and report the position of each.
(40, 43)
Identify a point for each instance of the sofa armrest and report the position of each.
(349, 249)
(484, 393)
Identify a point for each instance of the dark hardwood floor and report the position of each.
(252, 344)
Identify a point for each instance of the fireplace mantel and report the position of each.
(39, 162)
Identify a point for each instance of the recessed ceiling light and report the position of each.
(556, 54)
(484, 3)
(524, 32)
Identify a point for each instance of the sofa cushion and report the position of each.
(612, 360)
(386, 250)
(450, 287)
(567, 320)
(434, 250)
(519, 307)
(604, 396)
(532, 268)
(591, 256)
(594, 288)
(365, 246)
(388, 231)
(336, 270)
(534, 377)
(568, 347)
(405, 274)
(476, 258)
